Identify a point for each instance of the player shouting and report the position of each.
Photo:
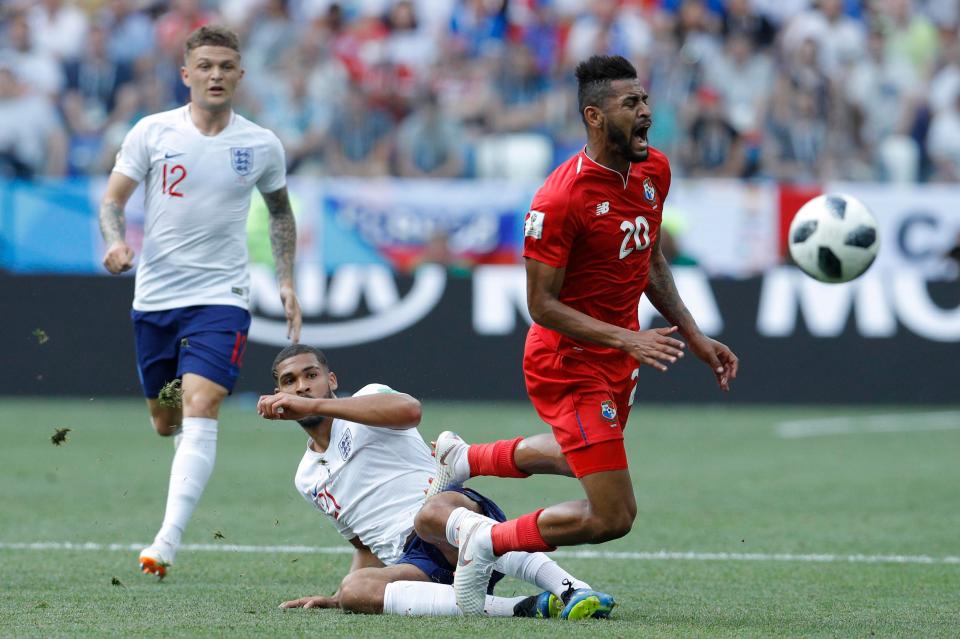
(592, 247)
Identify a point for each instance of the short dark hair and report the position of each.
(594, 76)
(211, 36)
(298, 349)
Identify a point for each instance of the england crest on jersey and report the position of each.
(649, 193)
(241, 159)
(346, 444)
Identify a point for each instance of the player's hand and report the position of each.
(312, 602)
(291, 308)
(654, 347)
(718, 356)
(118, 258)
(285, 406)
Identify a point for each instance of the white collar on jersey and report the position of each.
(623, 177)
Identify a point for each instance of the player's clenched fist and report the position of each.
(118, 258)
(285, 406)
(654, 347)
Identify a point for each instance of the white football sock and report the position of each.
(453, 525)
(192, 464)
(538, 569)
(425, 598)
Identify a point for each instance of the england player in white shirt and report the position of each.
(200, 164)
(367, 469)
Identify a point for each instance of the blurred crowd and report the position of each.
(792, 90)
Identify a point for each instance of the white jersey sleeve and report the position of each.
(133, 159)
(274, 177)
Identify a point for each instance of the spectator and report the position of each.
(32, 141)
(360, 138)
(714, 147)
(430, 143)
(479, 27)
(520, 91)
(943, 143)
(300, 121)
(131, 32)
(911, 35)
(797, 138)
(883, 93)
(840, 39)
(607, 29)
(57, 27)
(40, 69)
(744, 78)
(740, 18)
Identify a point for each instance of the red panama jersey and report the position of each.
(601, 228)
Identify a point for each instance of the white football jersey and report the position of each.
(198, 192)
(370, 482)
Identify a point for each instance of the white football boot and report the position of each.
(453, 468)
(156, 558)
(475, 562)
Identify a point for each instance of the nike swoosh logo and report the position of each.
(443, 457)
(167, 156)
(461, 559)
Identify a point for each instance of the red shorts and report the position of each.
(585, 402)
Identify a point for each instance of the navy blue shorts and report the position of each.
(431, 561)
(205, 340)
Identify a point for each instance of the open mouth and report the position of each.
(216, 91)
(640, 136)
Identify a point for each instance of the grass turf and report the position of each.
(707, 480)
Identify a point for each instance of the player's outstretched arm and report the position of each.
(283, 242)
(362, 558)
(653, 347)
(113, 224)
(662, 292)
(388, 410)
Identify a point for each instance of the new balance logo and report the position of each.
(603, 207)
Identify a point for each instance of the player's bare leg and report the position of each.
(166, 420)
(540, 455)
(362, 591)
(606, 514)
(191, 468)
(457, 460)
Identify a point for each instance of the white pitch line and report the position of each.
(869, 424)
(662, 555)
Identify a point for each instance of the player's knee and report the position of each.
(430, 519)
(359, 594)
(612, 525)
(164, 426)
(202, 405)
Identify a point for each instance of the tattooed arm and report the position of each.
(283, 242)
(662, 293)
(113, 226)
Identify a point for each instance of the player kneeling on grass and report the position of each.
(367, 468)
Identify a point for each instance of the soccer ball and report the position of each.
(833, 238)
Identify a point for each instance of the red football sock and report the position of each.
(521, 533)
(495, 459)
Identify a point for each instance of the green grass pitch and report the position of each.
(708, 480)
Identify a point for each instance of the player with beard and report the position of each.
(592, 248)
(367, 469)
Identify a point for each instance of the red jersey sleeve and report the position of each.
(550, 227)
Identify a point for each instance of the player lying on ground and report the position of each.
(592, 248)
(367, 468)
(199, 165)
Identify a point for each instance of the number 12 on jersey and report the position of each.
(173, 176)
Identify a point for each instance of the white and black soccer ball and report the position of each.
(833, 238)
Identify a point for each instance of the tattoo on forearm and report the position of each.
(662, 292)
(113, 225)
(283, 234)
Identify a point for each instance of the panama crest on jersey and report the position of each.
(608, 410)
(649, 192)
(241, 159)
